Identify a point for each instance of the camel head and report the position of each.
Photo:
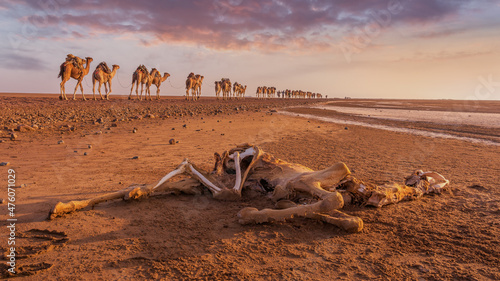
(89, 59)
(165, 76)
(190, 75)
(116, 66)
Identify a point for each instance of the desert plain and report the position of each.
(68, 150)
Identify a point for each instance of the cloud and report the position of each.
(22, 62)
(269, 25)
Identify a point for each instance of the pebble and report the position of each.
(171, 141)
(89, 146)
(135, 157)
(1, 201)
(60, 142)
(5, 164)
(173, 129)
(423, 269)
(22, 185)
(184, 126)
(346, 128)
(24, 128)
(134, 130)
(85, 154)
(13, 137)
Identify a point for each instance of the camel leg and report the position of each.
(76, 88)
(93, 87)
(63, 89)
(131, 89)
(81, 88)
(325, 210)
(108, 93)
(131, 193)
(137, 89)
(158, 92)
(105, 89)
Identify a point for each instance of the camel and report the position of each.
(226, 88)
(218, 88)
(258, 93)
(103, 75)
(75, 70)
(243, 89)
(140, 75)
(247, 170)
(148, 80)
(157, 80)
(236, 90)
(191, 86)
(199, 81)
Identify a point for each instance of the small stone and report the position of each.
(184, 126)
(120, 183)
(319, 126)
(85, 154)
(1, 141)
(150, 116)
(24, 128)
(423, 269)
(346, 128)
(173, 129)
(5, 164)
(99, 133)
(1, 201)
(100, 120)
(13, 137)
(134, 130)
(135, 157)
(114, 125)
(60, 142)
(171, 141)
(89, 146)
(22, 185)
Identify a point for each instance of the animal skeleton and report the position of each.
(247, 166)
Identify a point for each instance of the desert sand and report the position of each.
(79, 150)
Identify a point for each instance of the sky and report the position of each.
(408, 49)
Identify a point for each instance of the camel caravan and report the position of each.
(224, 86)
(265, 92)
(77, 68)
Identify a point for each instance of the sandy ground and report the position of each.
(454, 235)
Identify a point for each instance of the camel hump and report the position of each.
(104, 67)
(142, 68)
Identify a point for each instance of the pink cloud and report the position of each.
(236, 24)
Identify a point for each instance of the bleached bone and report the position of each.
(332, 188)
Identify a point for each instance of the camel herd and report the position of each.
(77, 68)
